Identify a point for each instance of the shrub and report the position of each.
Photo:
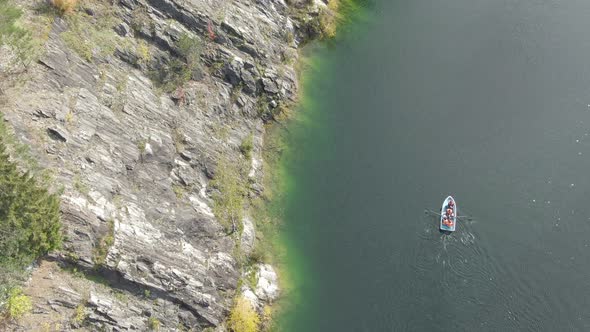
(92, 36)
(30, 223)
(104, 244)
(247, 146)
(229, 199)
(79, 314)
(179, 70)
(8, 17)
(243, 317)
(189, 49)
(65, 6)
(143, 52)
(18, 304)
(29, 215)
(154, 324)
(178, 191)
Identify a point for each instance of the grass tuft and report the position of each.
(247, 146)
(154, 324)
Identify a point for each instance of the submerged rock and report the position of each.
(267, 288)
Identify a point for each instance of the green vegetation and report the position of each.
(120, 295)
(330, 18)
(13, 34)
(80, 186)
(143, 52)
(141, 145)
(221, 131)
(80, 313)
(252, 277)
(18, 304)
(235, 93)
(289, 37)
(243, 317)
(247, 146)
(30, 223)
(267, 216)
(69, 117)
(229, 199)
(104, 244)
(89, 35)
(189, 49)
(178, 190)
(179, 70)
(153, 324)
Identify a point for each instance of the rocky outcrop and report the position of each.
(135, 162)
(265, 290)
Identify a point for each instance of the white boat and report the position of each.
(451, 217)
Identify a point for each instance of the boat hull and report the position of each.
(443, 209)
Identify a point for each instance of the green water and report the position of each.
(486, 100)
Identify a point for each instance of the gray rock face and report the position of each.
(135, 163)
(266, 289)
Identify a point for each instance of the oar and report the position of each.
(428, 211)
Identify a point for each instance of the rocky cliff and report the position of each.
(133, 104)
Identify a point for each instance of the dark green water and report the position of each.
(485, 100)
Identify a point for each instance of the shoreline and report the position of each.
(290, 266)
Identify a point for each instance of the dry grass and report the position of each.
(65, 6)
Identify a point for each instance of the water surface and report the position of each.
(486, 100)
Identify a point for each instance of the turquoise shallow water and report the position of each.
(486, 100)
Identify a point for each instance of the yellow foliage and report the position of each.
(154, 324)
(329, 19)
(80, 314)
(243, 317)
(65, 6)
(18, 304)
(143, 52)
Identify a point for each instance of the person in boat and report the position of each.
(451, 203)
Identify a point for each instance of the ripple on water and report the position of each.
(461, 269)
(505, 290)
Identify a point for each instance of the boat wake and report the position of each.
(459, 268)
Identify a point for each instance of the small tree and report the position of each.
(30, 224)
(29, 215)
(243, 317)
